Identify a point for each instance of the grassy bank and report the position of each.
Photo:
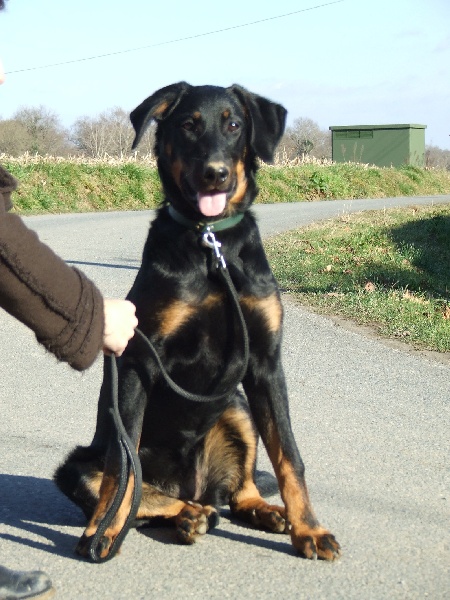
(389, 269)
(56, 186)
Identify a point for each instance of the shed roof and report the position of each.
(393, 126)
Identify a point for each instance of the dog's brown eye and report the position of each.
(188, 126)
(233, 126)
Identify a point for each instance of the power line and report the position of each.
(183, 39)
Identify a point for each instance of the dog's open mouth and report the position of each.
(211, 204)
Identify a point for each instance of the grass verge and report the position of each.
(61, 187)
(49, 185)
(388, 269)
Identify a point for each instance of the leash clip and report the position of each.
(209, 240)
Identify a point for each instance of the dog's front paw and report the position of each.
(316, 543)
(84, 546)
(269, 517)
(195, 520)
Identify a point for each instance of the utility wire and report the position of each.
(183, 39)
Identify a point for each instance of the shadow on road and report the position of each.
(164, 533)
(33, 507)
(85, 263)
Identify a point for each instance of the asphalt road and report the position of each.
(372, 423)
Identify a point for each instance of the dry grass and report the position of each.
(80, 159)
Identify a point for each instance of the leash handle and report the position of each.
(129, 463)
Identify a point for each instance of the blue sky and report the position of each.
(351, 62)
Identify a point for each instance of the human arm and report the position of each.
(59, 303)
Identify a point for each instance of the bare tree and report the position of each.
(110, 133)
(305, 138)
(437, 157)
(14, 138)
(45, 134)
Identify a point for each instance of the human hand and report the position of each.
(120, 323)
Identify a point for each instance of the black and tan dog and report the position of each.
(196, 457)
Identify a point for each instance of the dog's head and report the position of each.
(207, 142)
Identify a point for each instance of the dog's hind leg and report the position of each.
(79, 478)
(228, 465)
(132, 403)
(80, 475)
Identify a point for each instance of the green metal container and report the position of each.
(381, 145)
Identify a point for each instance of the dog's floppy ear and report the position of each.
(158, 106)
(267, 121)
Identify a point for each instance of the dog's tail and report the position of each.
(266, 483)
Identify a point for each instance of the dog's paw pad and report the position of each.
(194, 521)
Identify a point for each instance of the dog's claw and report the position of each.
(322, 546)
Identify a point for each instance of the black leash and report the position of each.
(129, 463)
(129, 459)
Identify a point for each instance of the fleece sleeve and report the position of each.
(59, 303)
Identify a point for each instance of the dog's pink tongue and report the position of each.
(211, 205)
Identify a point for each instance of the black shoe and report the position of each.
(24, 584)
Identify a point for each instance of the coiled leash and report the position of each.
(129, 459)
(129, 463)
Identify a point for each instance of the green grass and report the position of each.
(389, 269)
(56, 186)
(309, 182)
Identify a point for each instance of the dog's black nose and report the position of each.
(216, 173)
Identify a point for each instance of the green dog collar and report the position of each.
(203, 226)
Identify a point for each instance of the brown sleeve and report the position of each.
(60, 304)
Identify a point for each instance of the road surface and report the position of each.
(372, 423)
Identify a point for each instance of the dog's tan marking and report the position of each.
(294, 493)
(220, 451)
(211, 300)
(197, 115)
(156, 504)
(270, 307)
(179, 312)
(220, 460)
(174, 316)
(308, 537)
(241, 187)
(107, 493)
(161, 109)
(226, 114)
(93, 483)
